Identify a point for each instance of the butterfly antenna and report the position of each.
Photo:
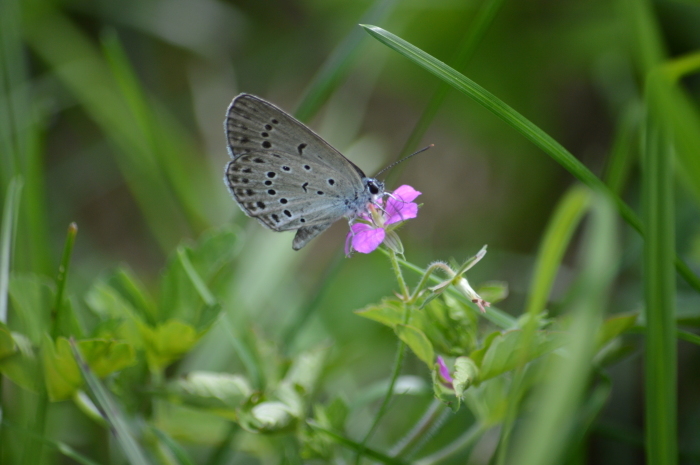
(404, 159)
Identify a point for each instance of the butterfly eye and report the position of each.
(373, 188)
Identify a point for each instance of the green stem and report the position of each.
(400, 351)
(426, 276)
(399, 275)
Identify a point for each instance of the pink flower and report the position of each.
(444, 372)
(368, 233)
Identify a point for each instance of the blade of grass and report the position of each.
(621, 157)
(57, 312)
(338, 63)
(544, 436)
(9, 226)
(465, 51)
(119, 425)
(20, 141)
(528, 129)
(555, 241)
(164, 143)
(659, 295)
(688, 337)
(81, 68)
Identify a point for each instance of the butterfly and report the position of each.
(286, 176)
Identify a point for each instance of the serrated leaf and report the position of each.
(418, 342)
(388, 312)
(465, 374)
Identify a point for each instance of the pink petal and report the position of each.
(397, 211)
(405, 193)
(444, 372)
(366, 238)
(399, 207)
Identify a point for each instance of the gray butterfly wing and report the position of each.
(283, 174)
(279, 190)
(304, 235)
(255, 124)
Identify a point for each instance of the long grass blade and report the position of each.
(545, 436)
(528, 129)
(9, 226)
(660, 299)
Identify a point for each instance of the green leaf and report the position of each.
(132, 291)
(449, 325)
(105, 356)
(62, 374)
(388, 312)
(465, 374)
(108, 302)
(192, 277)
(504, 352)
(167, 342)
(614, 326)
(211, 390)
(417, 341)
(478, 355)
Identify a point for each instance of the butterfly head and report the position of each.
(374, 188)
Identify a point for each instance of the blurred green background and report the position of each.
(112, 112)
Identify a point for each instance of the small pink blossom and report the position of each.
(444, 372)
(370, 231)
